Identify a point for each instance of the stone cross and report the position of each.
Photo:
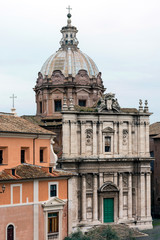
(13, 97)
(69, 8)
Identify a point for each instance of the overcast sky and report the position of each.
(121, 36)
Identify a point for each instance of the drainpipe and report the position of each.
(34, 156)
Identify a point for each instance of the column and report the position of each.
(73, 137)
(120, 196)
(115, 139)
(120, 137)
(147, 140)
(130, 138)
(83, 197)
(142, 193)
(115, 179)
(130, 196)
(83, 142)
(141, 138)
(95, 198)
(148, 194)
(100, 138)
(65, 138)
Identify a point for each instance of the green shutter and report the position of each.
(108, 210)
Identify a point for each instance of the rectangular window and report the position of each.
(52, 223)
(57, 105)
(22, 156)
(107, 144)
(41, 155)
(40, 107)
(82, 103)
(53, 190)
(1, 156)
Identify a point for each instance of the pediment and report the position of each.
(57, 90)
(54, 202)
(109, 187)
(108, 130)
(83, 90)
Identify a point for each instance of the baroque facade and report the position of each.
(106, 145)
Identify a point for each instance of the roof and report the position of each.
(129, 110)
(154, 128)
(12, 124)
(28, 171)
(44, 122)
(69, 61)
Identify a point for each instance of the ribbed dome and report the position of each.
(69, 61)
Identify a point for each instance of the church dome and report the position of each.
(69, 59)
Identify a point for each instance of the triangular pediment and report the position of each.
(108, 130)
(82, 90)
(54, 202)
(57, 90)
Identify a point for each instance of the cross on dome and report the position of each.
(69, 8)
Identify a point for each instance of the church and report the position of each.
(107, 146)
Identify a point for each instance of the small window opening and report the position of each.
(58, 105)
(50, 169)
(67, 35)
(71, 35)
(52, 223)
(53, 190)
(1, 156)
(82, 103)
(22, 156)
(71, 41)
(41, 155)
(13, 172)
(66, 41)
(40, 107)
(107, 144)
(10, 232)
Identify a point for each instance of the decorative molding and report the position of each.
(89, 137)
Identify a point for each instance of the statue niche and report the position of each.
(57, 77)
(82, 78)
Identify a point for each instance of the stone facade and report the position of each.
(106, 145)
(118, 170)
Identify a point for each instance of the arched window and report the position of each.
(10, 232)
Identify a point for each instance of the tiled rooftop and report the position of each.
(14, 124)
(154, 128)
(27, 171)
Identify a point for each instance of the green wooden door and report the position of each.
(108, 210)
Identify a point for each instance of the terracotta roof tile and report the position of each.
(154, 128)
(19, 125)
(27, 171)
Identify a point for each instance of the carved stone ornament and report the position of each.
(125, 180)
(125, 136)
(108, 103)
(82, 78)
(89, 137)
(89, 181)
(57, 77)
(40, 79)
(109, 187)
(108, 130)
(99, 78)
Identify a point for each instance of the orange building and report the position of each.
(34, 205)
(24, 142)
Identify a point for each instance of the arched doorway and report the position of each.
(108, 198)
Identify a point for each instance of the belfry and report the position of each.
(107, 146)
